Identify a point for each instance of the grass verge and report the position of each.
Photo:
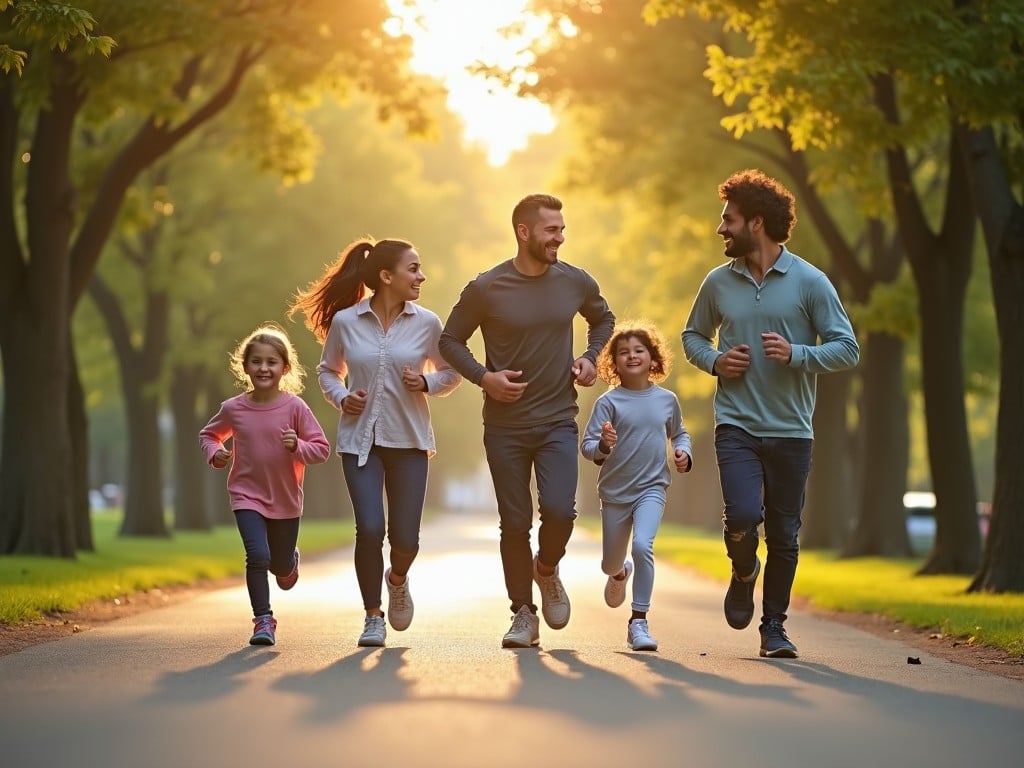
(872, 585)
(32, 586)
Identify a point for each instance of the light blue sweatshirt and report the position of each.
(645, 421)
(795, 300)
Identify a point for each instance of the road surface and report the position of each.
(180, 686)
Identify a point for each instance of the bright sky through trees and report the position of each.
(450, 36)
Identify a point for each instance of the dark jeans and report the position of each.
(514, 455)
(269, 546)
(401, 474)
(764, 479)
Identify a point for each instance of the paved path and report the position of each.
(180, 686)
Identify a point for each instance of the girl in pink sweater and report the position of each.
(273, 435)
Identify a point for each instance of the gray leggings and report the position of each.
(642, 517)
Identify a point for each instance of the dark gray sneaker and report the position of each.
(739, 600)
(775, 643)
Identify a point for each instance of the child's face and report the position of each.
(264, 367)
(632, 360)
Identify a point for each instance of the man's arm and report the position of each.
(462, 323)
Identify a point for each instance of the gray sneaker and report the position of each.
(525, 630)
(399, 603)
(638, 636)
(554, 603)
(615, 589)
(374, 632)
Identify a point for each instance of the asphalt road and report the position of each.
(180, 686)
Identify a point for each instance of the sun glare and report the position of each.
(449, 36)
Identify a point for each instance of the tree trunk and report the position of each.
(881, 522)
(1002, 222)
(139, 372)
(190, 512)
(36, 513)
(829, 510)
(941, 266)
(36, 479)
(78, 429)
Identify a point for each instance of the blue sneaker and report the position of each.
(263, 630)
(739, 600)
(775, 643)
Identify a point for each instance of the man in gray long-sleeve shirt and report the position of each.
(524, 308)
(769, 308)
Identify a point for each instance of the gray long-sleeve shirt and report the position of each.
(527, 325)
(645, 421)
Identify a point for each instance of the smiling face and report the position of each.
(544, 238)
(404, 281)
(739, 241)
(633, 362)
(264, 366)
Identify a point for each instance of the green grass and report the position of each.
(32, 586)
(872, 585)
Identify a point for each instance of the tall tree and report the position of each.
(855, 80)
(166, 69)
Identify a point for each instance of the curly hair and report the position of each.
(646, 334)
(272, 335)
(757, 194)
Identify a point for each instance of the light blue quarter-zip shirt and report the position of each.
(795, 300)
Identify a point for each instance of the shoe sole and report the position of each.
(645, 647)
(370, 643)
(782, 653)
(519, 643)
(261, 640)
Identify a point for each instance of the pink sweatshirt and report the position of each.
(265, 476)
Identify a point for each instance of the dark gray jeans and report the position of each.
(764, 479)
(514, 456)
(401, 474)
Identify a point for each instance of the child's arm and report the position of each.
(599, 435)
(680, 439)
(212, 437)
(311, 445)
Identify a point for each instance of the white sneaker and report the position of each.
(638, 636)
(554, 603)
(615, 589)
(374, 632)
(399, 603)
(525, 630)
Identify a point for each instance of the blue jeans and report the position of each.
(764, 479)
(401, 474)
(514, 455)
(269, 546)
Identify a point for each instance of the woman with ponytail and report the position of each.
(380, 361)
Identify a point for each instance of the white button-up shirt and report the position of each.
(359, 354)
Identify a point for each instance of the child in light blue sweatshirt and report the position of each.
(628, 435)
